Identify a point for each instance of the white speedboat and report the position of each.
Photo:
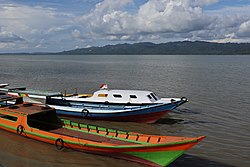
(107, 104)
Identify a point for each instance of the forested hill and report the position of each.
(171, 48)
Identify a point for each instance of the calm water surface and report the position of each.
(217, 88)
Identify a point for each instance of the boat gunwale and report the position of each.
(135, 145)
(115, 146)
(191, 140)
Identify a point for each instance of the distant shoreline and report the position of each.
(147, 48)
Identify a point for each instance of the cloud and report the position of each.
(111, 5)
(155, 16)
(76, 34)
(30, 27)
(159, 19)
(205, 2)
(231, 24)
(169, 16)
(33, 23)
(22, 19)
(244, 29)
(8, 37)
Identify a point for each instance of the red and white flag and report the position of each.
(104, 86)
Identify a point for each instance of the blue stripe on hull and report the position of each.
(137, 112)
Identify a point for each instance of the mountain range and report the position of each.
(148, 48)
(170, 48)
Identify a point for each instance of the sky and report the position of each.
(58, 25)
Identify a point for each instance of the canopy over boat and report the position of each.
(36, 92)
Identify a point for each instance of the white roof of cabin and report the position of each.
(139, 96)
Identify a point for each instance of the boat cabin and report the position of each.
(124, 96)
(44, 120)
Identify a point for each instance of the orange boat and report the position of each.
(41, 123)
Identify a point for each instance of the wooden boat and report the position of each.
(41, 123)
(105, 104)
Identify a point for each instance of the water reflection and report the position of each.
(196, 161)
(185, 111)
(169, 121)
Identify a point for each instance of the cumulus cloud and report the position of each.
(230, 24)
(163, 18)
(76, 34)
(169, 16)
(155, 16)
(244, 29)
(113, 21)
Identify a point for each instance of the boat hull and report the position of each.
(151, 155)
(142, 118)
(136, 147)
(144, 114)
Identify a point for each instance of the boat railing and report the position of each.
(112, 133)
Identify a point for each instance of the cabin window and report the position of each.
(117, 95)
(133, 96)
(153, 96)
(9, 117)
(102, 95)
(84, 96)
(149, 97)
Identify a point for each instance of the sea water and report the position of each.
(217, 87)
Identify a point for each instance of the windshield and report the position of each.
(154, 96)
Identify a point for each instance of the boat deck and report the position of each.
(27, 108)
(90, 137)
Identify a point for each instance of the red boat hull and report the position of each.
(143, 118)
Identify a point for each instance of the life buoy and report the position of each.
(19, 129)
(183, 99)
(59, 143)
(85, 112)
